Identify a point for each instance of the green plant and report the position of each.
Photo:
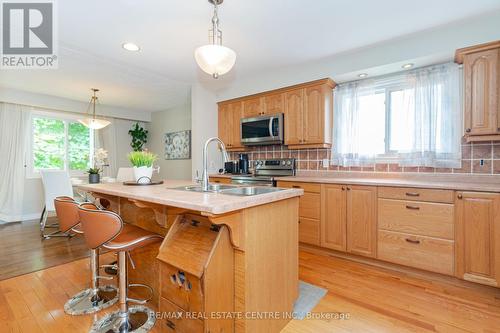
(142, 158)
(139, 137)
(93, 171)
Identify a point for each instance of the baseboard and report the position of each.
(19, 218)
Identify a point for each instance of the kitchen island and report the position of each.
(228, 263)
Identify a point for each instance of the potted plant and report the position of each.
(139, 137)
(100, 155)
(142, 161)
(94, 175)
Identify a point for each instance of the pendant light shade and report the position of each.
(215, 59)
(96, 124)
(93, 122)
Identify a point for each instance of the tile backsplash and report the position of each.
(477, 158)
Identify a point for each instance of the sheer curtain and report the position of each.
(14, 138)
(106, 139)
(412, 118)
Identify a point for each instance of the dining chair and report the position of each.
(56, 183)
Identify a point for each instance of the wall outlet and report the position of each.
(325, 163)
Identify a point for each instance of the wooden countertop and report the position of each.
(164, 194)
(460, 182)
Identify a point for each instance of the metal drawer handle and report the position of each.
(296, 186)
(413, 241)
(412, 194)
(412, 207)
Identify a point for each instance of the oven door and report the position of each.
(262, 130)
(252, 182)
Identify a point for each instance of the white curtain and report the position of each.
(412, 118)
(14, 138)
(106, 139)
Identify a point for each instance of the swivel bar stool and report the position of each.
(96, 297)
(106, 229)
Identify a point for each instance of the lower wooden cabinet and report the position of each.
(362, 220)
(349, 219)
(478, 237)
(333, 217)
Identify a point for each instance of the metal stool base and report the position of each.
(139, 319)
(85, 301)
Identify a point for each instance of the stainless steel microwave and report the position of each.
(263, 130)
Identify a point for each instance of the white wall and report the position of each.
(204, 126)
(423, 48)
(171, 120)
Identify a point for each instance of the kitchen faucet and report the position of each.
(204, 180)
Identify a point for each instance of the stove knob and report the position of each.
(283, 162)
(288, 163)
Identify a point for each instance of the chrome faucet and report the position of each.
(204, 180)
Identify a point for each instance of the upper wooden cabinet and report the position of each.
(230, 115)
(307, 109)
(477, 254)
(481, 66)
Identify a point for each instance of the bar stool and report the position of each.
(96, 297)
(106, 229)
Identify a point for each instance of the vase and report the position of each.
(94, 178)
(143, 174)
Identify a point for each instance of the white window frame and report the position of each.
(67, 118)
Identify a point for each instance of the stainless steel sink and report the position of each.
(211, 188)
(230, 189)
(250, 190)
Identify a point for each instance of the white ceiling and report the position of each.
(264, 34)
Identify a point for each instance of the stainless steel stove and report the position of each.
(265, 172)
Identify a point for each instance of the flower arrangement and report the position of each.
(100, 155)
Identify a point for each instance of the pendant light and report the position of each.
(215, 59)
(93, 122)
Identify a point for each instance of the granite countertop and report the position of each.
(461, 182)
(486, 183)
(165, 194)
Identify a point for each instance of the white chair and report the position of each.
(125, 174)
(55, 183)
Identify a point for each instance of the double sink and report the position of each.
(231, 189)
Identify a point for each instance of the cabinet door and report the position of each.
(274, 104)
(314, 114)
(481, 76)
(478, 237)
(294, 106)
(252, 107)
(225, 123)
(362, 220)
(235, 125)
(333, 217)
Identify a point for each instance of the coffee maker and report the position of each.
(243, 164)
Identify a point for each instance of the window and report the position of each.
(59, 144)
(411, 118)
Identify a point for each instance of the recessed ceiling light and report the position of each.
(362, 75)
(407, 66)
(131, 47)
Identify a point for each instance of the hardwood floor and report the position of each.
(23, 251)
(376, 300)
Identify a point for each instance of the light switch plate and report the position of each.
(325, 163)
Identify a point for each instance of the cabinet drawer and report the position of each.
(417, 194)
(307, 187)
(431, 254)
(416, 217)
(309, 231)
(173, 319)
(310, 205)
(181, 288)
